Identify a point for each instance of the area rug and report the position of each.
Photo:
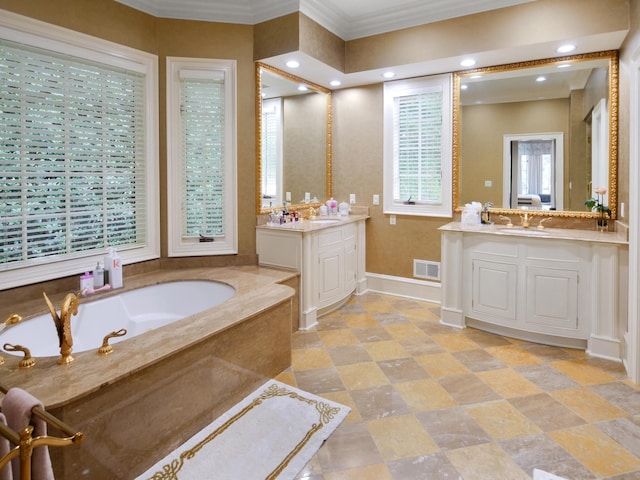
(271, 434)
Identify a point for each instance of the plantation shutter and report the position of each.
(72, 155)
(417, 140)
(202, 97)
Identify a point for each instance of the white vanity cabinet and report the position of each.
(554, 286)
(330, 256)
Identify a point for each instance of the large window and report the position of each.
(201, 133)
(78, 164)
(417, 146)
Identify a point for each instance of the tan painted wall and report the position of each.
(482, 130)
(304, 146)
(357, 111)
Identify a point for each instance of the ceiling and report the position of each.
(348, 19)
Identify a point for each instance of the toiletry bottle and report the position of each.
(113, 263)
(86, 282)
(98, 276)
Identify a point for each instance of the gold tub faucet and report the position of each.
(63, 324)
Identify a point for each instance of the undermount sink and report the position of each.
(523, 231)
(324, 221)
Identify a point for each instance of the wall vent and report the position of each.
(426, 269)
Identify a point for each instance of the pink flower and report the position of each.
(600, 191)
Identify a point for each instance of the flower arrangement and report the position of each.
(596, 204)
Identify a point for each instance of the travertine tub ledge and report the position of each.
(257, 289)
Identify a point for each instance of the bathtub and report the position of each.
(138, 311)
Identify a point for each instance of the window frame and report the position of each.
(415, 86)
(35, 33)
(177, 245)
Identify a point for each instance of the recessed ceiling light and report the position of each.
(468, 62)
(303, 88)
(541, 79)
(566, 48)
(388, 74)
(335, 83)
(293, 64)
(564, 65)
(475, 76)
(464, 87)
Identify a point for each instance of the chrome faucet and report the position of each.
(63, 324)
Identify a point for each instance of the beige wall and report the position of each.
(481, 141)
(357, 130)
(304, 146)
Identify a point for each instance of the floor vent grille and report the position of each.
(426, 269)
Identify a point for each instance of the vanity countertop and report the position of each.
(593, 236)
(317, 223)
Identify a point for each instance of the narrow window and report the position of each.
(202, 159)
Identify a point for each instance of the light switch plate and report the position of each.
(352, 198)
(376, 199)
(392, 219)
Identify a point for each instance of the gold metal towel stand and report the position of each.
(26, 443)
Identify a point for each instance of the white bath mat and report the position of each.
(271, 434)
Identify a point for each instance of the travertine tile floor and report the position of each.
(433, 402)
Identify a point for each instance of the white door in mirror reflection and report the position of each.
(272, 152)
(533, 167)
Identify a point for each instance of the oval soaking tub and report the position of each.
(137, 311)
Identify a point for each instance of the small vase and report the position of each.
(602, 224)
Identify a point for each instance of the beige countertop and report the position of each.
(548, 233)
(257, 289)
(317, 223)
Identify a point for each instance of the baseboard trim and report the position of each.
(404, 287)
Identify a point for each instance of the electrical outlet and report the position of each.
(392, 219)
(621, 209)
(488, 183)
(352, 198)
(376, 199)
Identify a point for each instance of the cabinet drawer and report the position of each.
(349, 232)
(329, 237)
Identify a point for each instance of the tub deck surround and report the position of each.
(158, 389)
(557, 286)
(257, 290)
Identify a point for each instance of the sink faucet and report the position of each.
(525, 220)
(63, 324)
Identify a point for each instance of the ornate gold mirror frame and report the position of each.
(612, 56)
(261, 67)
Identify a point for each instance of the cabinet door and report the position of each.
(552, 297)
(330, 274)
(350, 264)
(493, 290)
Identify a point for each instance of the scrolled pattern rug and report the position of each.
(271, 434)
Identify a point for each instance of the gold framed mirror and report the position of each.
(293, 141)
(538, 135)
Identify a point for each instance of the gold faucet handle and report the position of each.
(106, 349)
(12, 319)
(508, 219)
(541, 224)
(27, 361)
